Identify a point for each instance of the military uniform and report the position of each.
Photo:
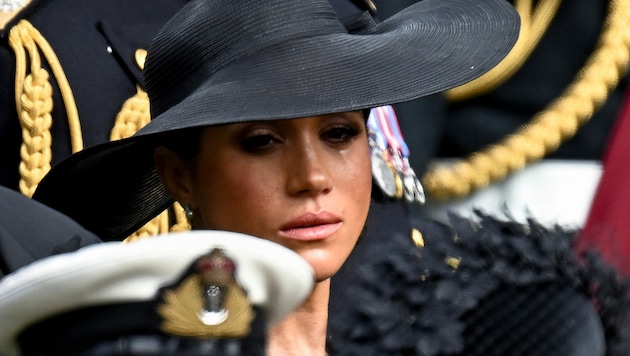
(563, 50)
(558, 189)
(95, 43)
(472, 124)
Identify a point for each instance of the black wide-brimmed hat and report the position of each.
(226, 61)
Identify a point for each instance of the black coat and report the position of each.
(30, 231)
(484, 287)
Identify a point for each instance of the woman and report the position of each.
(307, 188)
(258, 126)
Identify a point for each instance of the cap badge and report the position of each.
(209, 302)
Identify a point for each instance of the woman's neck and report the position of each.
(303, 332)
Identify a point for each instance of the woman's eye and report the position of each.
(258, 143)
(340, 134)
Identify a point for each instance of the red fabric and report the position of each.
(607, 227)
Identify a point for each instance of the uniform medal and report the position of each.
(382, 170)
(390, 146)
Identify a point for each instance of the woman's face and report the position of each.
(303, 183)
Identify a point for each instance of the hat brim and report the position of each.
(274, 277)
(112, 189)
(427, 48)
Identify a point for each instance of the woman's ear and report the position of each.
(176, 174)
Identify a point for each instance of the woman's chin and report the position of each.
(323, 268)
(325, 258)
(321, 276)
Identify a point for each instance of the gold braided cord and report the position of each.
(158, 225)
(33, 98)
(181, 223)
(550, 127)
(161, 224)
(534, 23)
(74, 124)
(135, 114)
(34, 104)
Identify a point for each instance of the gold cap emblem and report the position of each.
(209, 302)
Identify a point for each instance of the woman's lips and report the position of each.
(311, 227)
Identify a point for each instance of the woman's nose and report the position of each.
(309, 173)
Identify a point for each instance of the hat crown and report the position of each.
(208, 35)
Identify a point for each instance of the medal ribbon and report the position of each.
(385, 131)
(388, 124)
(375, 128)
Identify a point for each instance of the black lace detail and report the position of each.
(459, 293)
